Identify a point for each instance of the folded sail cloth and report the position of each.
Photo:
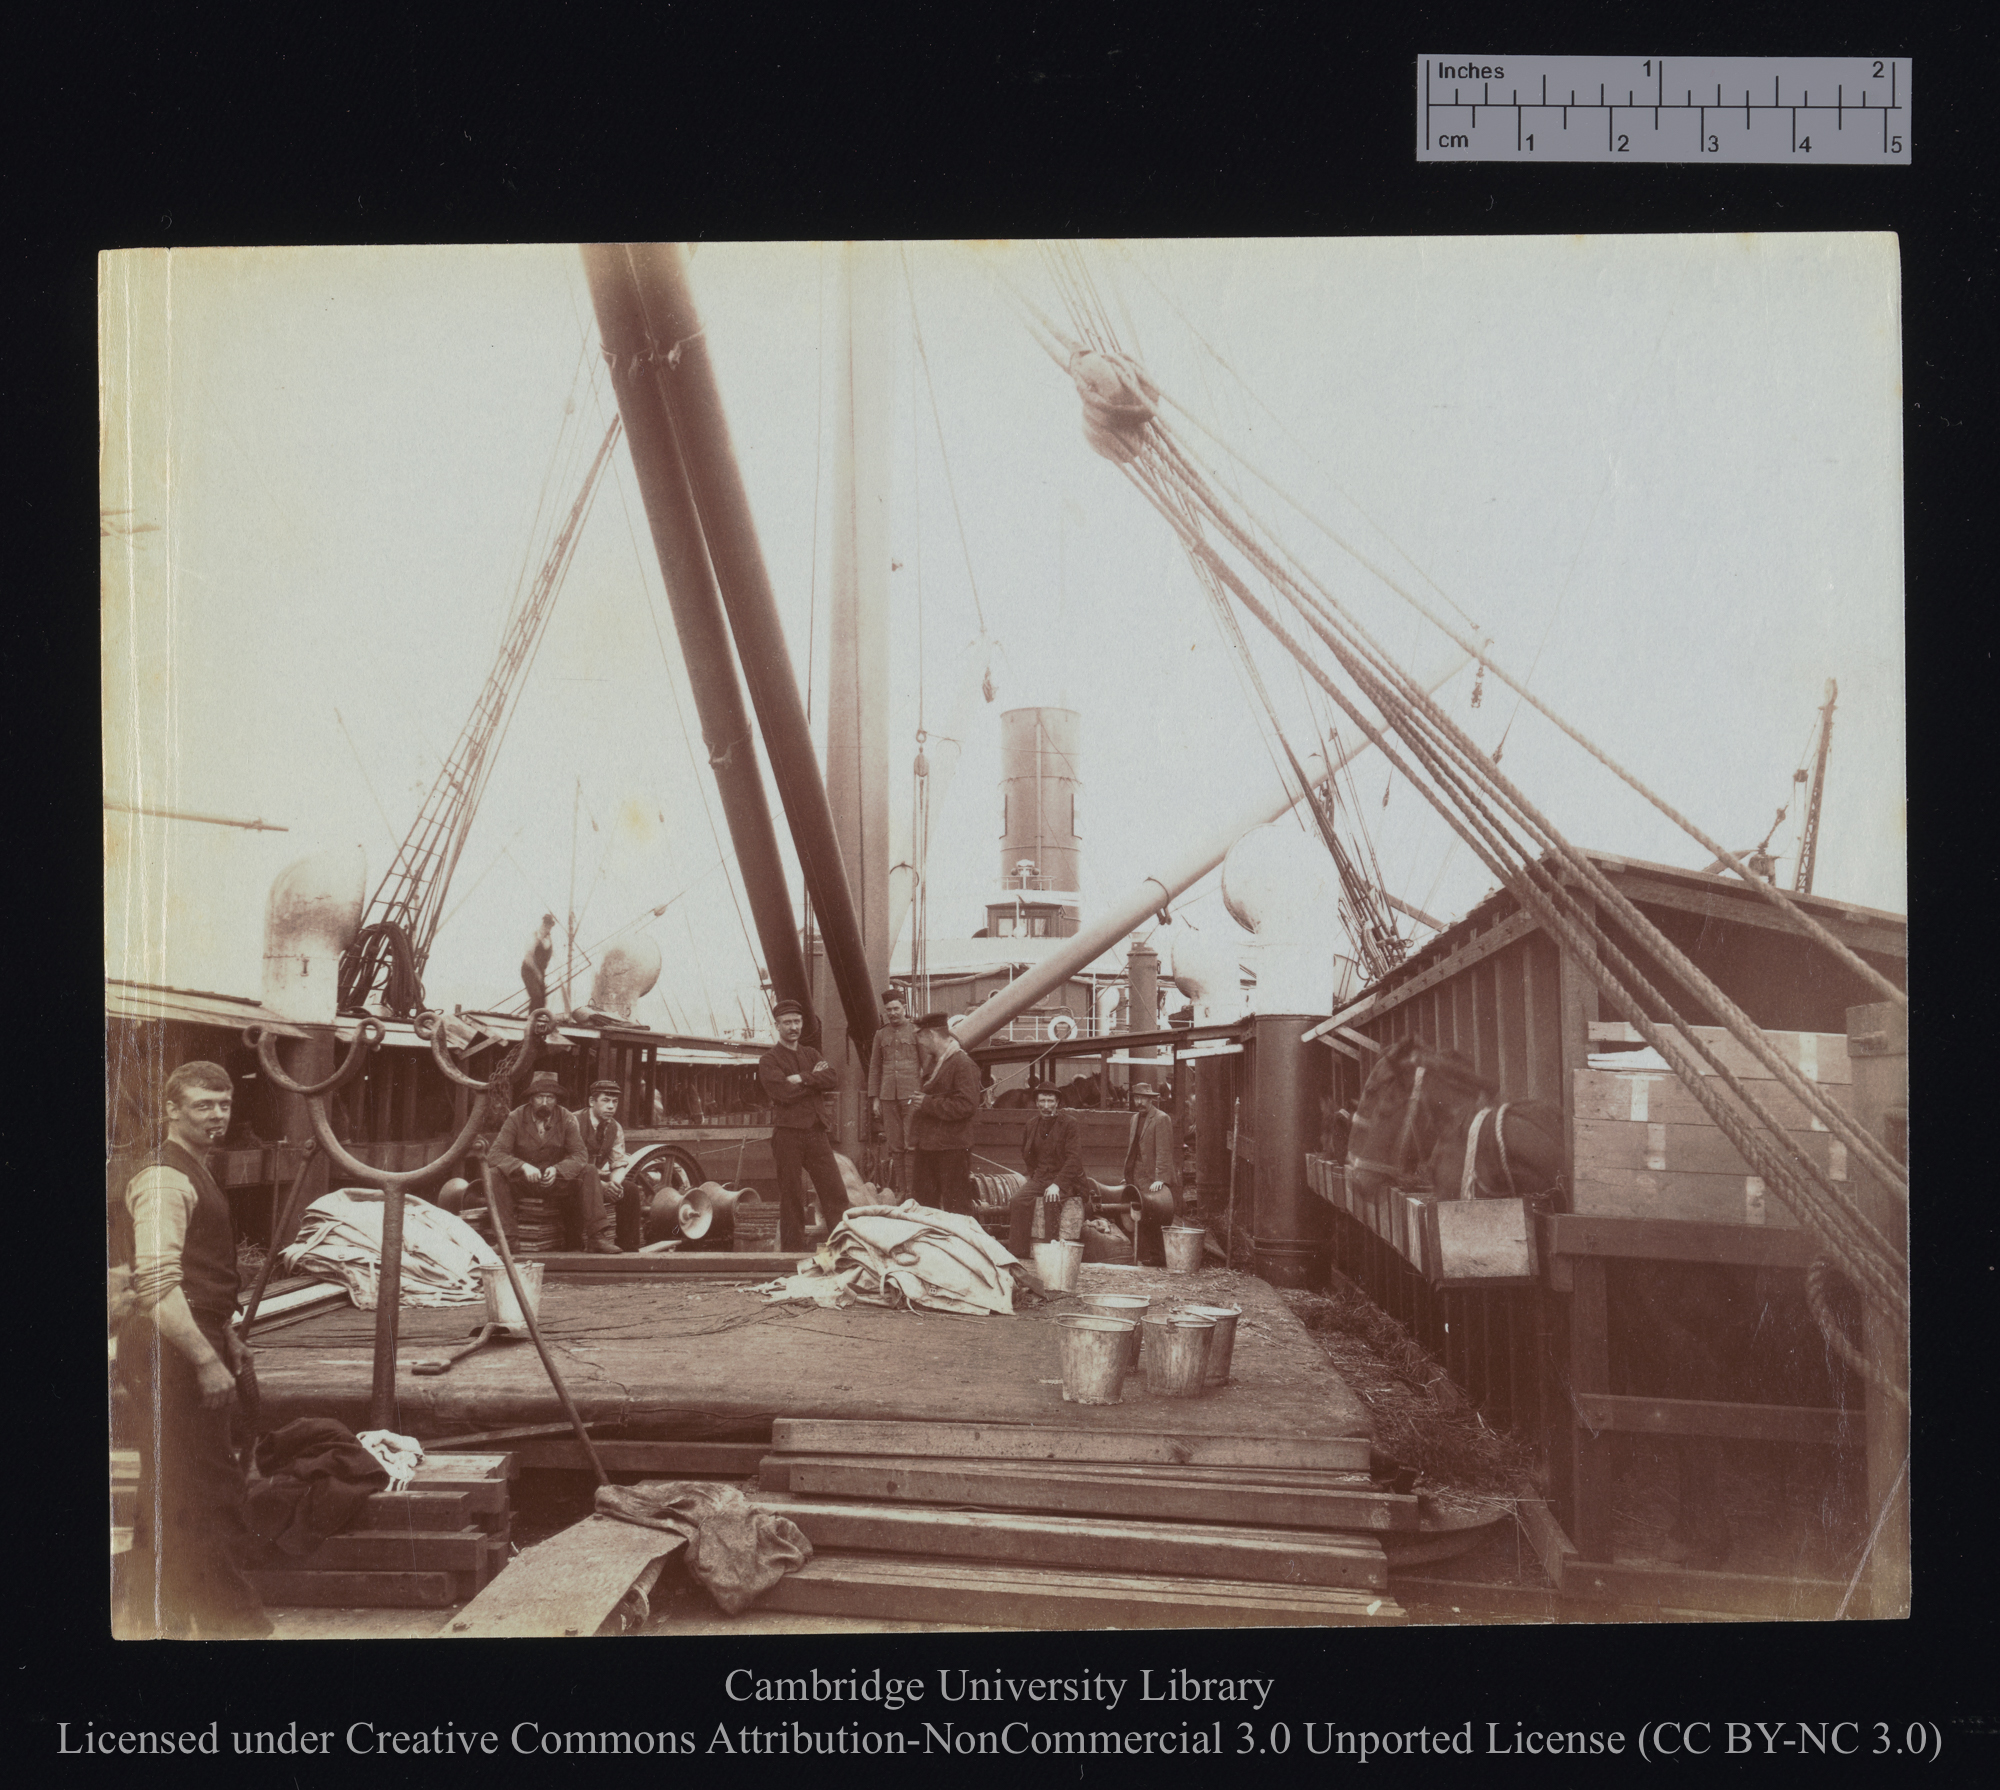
(907, 1255)
(737, 1550)
(340, 1236)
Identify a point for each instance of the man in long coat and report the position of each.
(1152, 1165)
(941, 1131)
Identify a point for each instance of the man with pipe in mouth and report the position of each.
(188, 1376)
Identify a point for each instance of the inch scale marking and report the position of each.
(1809, 110)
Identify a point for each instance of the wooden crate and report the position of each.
(1644, 1147)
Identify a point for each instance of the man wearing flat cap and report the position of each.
(1152, 1168)
(604, 1144)
(541, 1147)
(795, 1080)
(941, 1129)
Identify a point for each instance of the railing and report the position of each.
(1033, 1028)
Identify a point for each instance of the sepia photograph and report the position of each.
(844, 938)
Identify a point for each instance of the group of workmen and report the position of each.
(924, 1090)
(175, 1285)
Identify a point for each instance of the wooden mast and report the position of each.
(857, 732)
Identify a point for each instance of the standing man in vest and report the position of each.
(541, 1146)
(941, 1130)
(1152, 1165)
(1052, 1154)
(180, 1360)
(794, 1079)
(895, 1084)
(604, 1144)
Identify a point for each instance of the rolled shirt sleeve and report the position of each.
(161, 1201)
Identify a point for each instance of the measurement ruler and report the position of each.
(1806, 109)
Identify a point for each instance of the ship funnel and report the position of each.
(312, 916)
(625, 974)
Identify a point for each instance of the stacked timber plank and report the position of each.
(432, 1546)
(1645, 1148)
(1059, 1527)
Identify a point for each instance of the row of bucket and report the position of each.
(1183, 1350)
(1057, 1263)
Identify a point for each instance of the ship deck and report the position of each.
(697, 1357)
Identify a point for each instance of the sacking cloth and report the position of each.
(340, 1238)
(908, 1255)
(316, 1478)
(735, 1549)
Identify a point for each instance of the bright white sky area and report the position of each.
(1662, 474)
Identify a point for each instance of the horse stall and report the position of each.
(1653, 1308)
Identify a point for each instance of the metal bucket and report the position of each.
(1177, 1345)
(1182, 1243)
(1119, 1305)
(501, 1307)
(1224, 1345)
(1056, 1263)
(1095, 1354)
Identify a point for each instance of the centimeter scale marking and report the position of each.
(1805, 109)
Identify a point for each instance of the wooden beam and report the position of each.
(417, 1510)
(1021, 1486)
(1703, 1417)
(566, 1586)
(1672, 1240)
(717, 1263)
(1033, 1442)
(1496, 937)
(391, 1550)
(1220, 1551)
(736, 1460)
(1883, 938)
(1545, 1535)
(1026, 1597)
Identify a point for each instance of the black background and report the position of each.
(758, 121)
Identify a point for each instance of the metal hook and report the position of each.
(367, 1035)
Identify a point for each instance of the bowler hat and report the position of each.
(1143, 1087)
(545, 1081)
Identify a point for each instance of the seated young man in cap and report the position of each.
(541, 1146)
(604, 1144)
(941, 1129)
(1052, 1155)
(795, 1081)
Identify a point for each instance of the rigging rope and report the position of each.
(1454, 764)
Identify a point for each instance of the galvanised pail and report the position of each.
(1095, 1352)
(1176, 1359)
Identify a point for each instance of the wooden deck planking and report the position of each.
(1033, 1442)
(1027, 1597)
(698, 1358)
(1020, 1485)
(1219, 1551)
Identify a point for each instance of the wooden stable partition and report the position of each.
(1647, 1177)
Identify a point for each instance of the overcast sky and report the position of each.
(1664, 474)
